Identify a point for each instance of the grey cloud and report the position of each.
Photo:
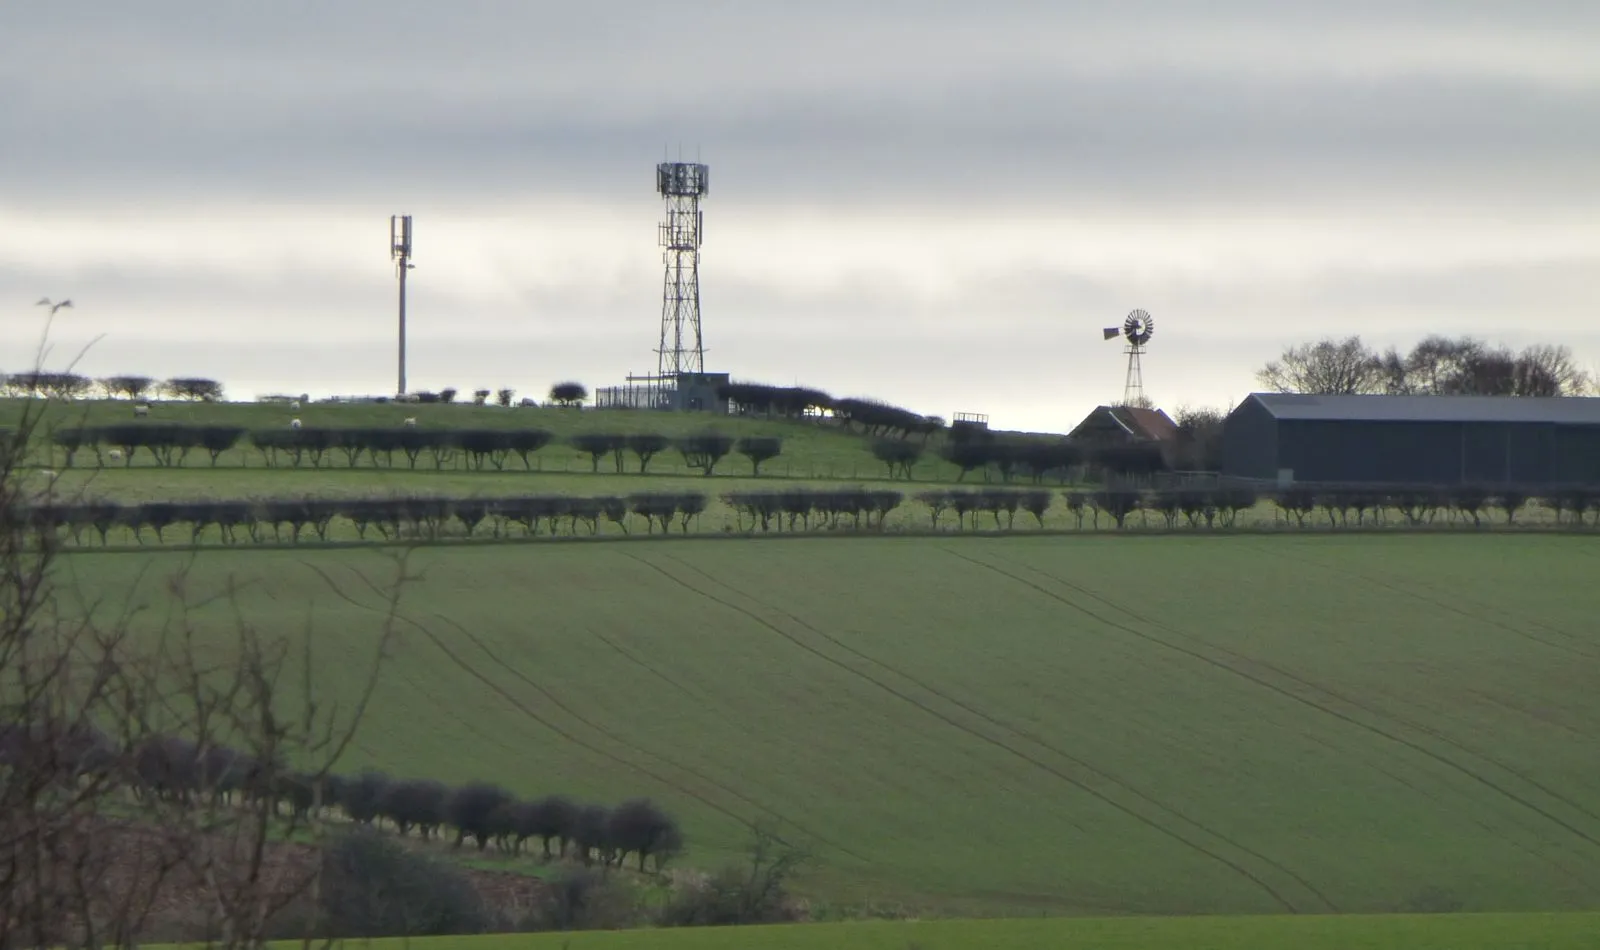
(1400, 110)
(895, 108)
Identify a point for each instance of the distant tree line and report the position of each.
(73, 386)
(1438, 365)
(868, 416)
(177, 771)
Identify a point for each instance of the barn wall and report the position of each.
(1250, 442)
(1439, 453)
(1366, 452)
(1576, 455)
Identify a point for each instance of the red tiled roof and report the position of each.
(1150, 423)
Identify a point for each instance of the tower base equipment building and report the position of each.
(1443, 441)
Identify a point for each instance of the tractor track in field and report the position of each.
(1460, 612)
(1289, 694)
(583, 720)
(470, 670)
(1028, 736)
(647, 667)
(1156, 826)
(1398, 719)
(1437, 799)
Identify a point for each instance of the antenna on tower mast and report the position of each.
(400, 250)
(681, 186)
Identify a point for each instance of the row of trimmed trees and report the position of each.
(170, 444)
(1338, 508)
(389, 519)
(1032, 459)
(1426, 505)
(178, 771)
(487, 814)
(805, 508)
(48, 385)
(791, 509)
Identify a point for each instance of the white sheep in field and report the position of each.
(114, 455)
(294, 423)
(411, 421)
(295, 405)
(140, 412)
(48, 473)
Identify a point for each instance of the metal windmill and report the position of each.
(1137, 330)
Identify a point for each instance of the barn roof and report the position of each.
(1152, 424)
(1564, 410)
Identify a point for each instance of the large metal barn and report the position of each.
(1414, 440)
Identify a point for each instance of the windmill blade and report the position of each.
(1111, 332)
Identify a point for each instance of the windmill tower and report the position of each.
(1137, 330)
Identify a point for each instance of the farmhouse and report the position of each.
(1110, 426)
(1414, 440)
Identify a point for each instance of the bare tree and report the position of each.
(1328, 367)
(138, 759)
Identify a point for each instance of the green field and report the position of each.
(1053, 725)
(811, 449)
(1394, 932)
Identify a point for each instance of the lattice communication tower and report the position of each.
(681, 186)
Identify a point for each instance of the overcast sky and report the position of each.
(935, 203)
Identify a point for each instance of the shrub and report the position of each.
(416, 804)
(72, 439)
(525, 442)
(504, 397)
(568, 394)
(485, 445)
(639, 827)
(752, 893)
(470, 809)
(372, 886)
(219, 439)
(128, 386)
(1119, 503)
(646, 446)
(591, 834)
(1297, 503)
(704, 450)
(758, 449)
(193, 388)
(597, 445)
(586, 899)
(968, 454)
(362, 796)
(480, 397)
(1511, 501)
(898, 455)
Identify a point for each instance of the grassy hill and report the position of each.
(817, 449)
(1028, 725)
(1389, 932)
